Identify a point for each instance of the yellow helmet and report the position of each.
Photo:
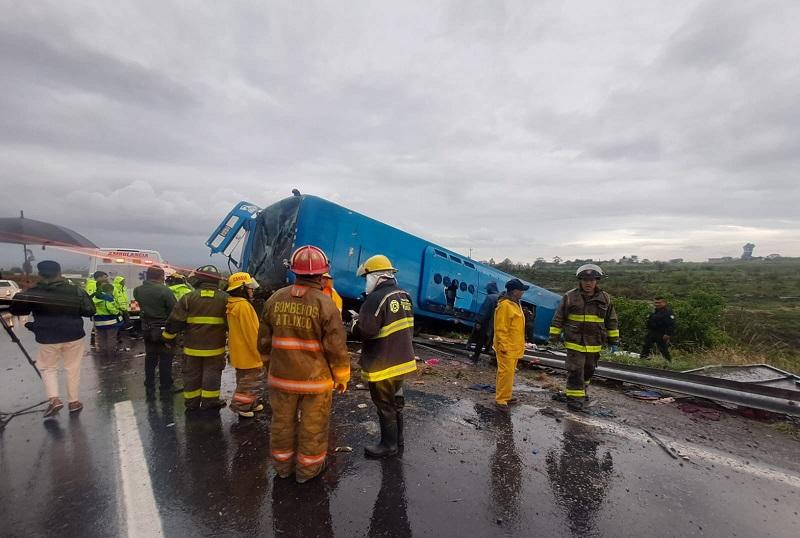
(376, 263)
(237, 280)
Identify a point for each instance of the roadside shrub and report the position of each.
(698, 321)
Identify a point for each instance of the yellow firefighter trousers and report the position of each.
(506, 366)
(299, 443)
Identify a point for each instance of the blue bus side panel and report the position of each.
(349, 238)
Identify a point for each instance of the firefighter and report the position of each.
(330, 291)
(588, 320)
(177, 283)
(509, 341)
(107, 318)
(243, 346)
(200, 315)
(303, 335)
(386, 325)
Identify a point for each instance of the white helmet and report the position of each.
(589, 269)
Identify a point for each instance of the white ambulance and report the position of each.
(131, 263)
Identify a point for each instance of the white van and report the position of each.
(131, 263)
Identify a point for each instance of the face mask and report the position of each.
(372, 281)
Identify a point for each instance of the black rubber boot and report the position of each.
(388, 445)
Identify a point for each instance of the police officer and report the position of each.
(483, 331)
(303, 335)
(200, 315)
(386, 325)
(156, 302)
(660, 327)
(588, 320)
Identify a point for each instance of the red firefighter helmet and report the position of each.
(309, 260)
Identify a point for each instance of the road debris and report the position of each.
(362, 406)
(343, 449)
(661, 443)
(644, 394)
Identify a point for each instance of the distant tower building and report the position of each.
(747, 253)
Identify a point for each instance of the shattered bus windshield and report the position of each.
(272, 242)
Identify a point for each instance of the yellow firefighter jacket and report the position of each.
(587, 322)
(509, 327)
(243, 334)
(302, 332)
(201, 316)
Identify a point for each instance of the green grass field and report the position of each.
(760, 314)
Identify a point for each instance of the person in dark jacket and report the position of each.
(484, 323)
(58, 310)
(386, 325)
(156, 302)
(660, 327)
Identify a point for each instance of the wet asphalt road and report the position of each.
(466, 472)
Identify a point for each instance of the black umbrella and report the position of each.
(23, 231)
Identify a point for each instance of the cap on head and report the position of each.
(237, 280)
(99, 274)
(309, 260)
(48, 268)
(516, 284)
(375, 264)
(154, 272)
(589, 270)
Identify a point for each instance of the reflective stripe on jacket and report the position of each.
(509, 327)
(106, 314)
(386, 325)
(587, 322)
(302, 332)
(243, 334)
(201, 316)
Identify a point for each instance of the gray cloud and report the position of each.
(516, 129)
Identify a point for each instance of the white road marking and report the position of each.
(141, 514)
(694, 452)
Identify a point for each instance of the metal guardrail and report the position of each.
(774, 399)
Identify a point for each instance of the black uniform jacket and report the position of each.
(386, 325)
(662, 321)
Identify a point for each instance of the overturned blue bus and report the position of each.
(445, 286)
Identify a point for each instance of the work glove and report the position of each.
(613, 348)
(340, 388)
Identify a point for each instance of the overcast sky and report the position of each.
(518, 129)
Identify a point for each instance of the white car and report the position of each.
(8, 289)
